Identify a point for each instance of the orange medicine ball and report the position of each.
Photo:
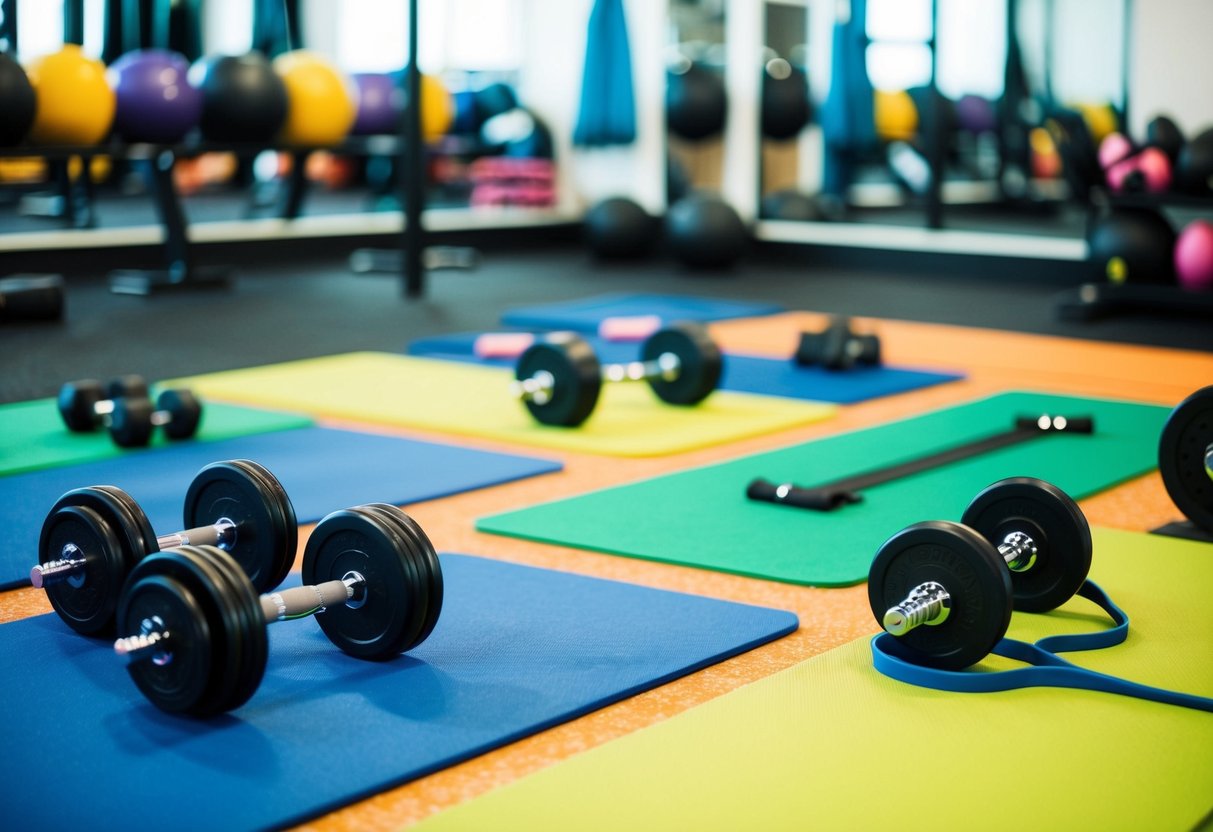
(75, 103)
(321, 101)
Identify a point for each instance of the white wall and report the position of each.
(1171, 65)
(550, 83)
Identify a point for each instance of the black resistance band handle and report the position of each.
(833, 495)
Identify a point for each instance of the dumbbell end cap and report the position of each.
(894, 622)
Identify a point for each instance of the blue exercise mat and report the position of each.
(585, 314)
(321, 469)
(742, 373)
(516, 650)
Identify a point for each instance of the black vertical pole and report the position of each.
(935, 136)
(413, 170)
(8, 25)
(73, 21)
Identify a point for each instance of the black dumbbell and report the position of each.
(93, 537)
(31, 297)
(837, 347)
(559, 377)
(86, 405)
(946, 590)
(178, 411)
(198, 643)
(1185, 457)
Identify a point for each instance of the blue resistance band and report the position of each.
(1047, 668)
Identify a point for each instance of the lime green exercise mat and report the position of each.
(832, 744)
(33, 436)
(461, 398)
(702, 517)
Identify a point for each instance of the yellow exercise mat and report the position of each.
(461, 398)
(832, 744)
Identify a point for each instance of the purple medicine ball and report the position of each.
(976, 114)
(380, 104)
(155, 102)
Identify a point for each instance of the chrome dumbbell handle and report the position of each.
(928, 603)
(70, 564)
(154, 641)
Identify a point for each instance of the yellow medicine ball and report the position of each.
(1101, 120)
(896, 115)
(437, 108)
(75, 103)
(321, 103)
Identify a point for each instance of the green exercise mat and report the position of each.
(33, 436)
(702, 517)
(832, 744)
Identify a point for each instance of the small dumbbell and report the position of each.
(197, 640)
(559, 378)
(86, 405)
(178, 411)
(93, 537)
(946, 590)
(837, 347)
(1185, 457)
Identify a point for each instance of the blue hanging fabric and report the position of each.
(848, 120)
(607, 113)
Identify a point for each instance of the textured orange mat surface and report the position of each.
(996, 361)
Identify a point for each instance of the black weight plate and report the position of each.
(869, 349)
(131, 523)
(1182, 452)
(180, 588)
(185, 411)
(228, 631)
(179, 684)
(809, 348)
(128, 386)
(251, 646)
(76, 402)
(267, 534)
(973, 574)
(392, 614)
(434, 606)
(88, 608)
(430, 567)
(577, 378)
(1057, 525)
(410, 548)
(835, 346)
(700, 362)
(131, 422)
(826, 348)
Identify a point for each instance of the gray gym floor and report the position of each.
(306, 307)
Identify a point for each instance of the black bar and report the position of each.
(935, 132)
(73, 21)
(296, 185)
(180, 272)
(172, 216)
(833, 495)
(413, 170)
